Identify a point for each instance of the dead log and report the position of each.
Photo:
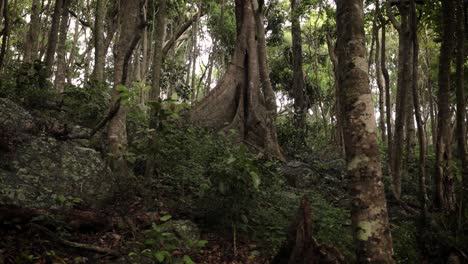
(301, 247)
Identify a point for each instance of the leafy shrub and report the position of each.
(160, 246)
(27, 84)
(87, 105)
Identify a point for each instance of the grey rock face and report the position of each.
(45, 172)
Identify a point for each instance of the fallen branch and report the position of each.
(72, 244)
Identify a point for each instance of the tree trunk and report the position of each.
(444, 197)
(194, 59)
(380, 85)
(404, 86)
(339, 118)
(244, 99)
(31, 44)
(74, 50)
(61, 49)
(369, 210)
(5, 35)
(53, 36)
(298, 75)
(99, 46)
(155, 87)
(461, 100)
(128, 38)
(388, 104)
(417, 111)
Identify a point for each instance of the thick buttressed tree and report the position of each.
(244, 100)
(369, 210)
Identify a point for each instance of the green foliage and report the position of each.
(162, 246)
(27, 84)
(404, 242)
(232, 186)
(87, 105)
(222, 24)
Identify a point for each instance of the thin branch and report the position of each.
(72, 244)
(391, 16)
(81, 20)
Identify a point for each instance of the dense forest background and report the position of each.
(233, 131)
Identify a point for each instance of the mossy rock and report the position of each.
(43, 169)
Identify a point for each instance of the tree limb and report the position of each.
(170, 43)
(82, 21)
(391, 16)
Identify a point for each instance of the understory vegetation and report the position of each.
(222, 131)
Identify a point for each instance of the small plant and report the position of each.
(165, 247)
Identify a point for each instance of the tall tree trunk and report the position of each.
(381, 86)
(339, 118)
(388, 104)
(298, 75)
(129, 22)
(99, 46)
(31, 44)
(404, 87)
(244, 98)
(155, 87)
(369, 211)
(5, 35)
(53, 36)
(417, 111)
(444, 198)
(62, 48)
(194, 59)
(74, 50)
(461, 100)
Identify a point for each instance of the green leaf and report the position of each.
(165, 218)
(159, 256)
(255, 179)
(202, 243)
(188, 260)
(150, 242)
(230, 160)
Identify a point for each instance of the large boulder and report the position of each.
(14, 117)
(42, 171)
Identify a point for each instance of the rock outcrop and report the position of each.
(41, 171)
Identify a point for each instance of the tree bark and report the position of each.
(244, 98)
(53, 36)
(369, 210)
(461, 100)
(5, 35)
(99, 45)
(417, 111)
(444, 196)
(298, 75)
(61, 49)
(388, 104)
(31, 44)
(128, 38)
(155, 87)
(404, 87)
(380, 85)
